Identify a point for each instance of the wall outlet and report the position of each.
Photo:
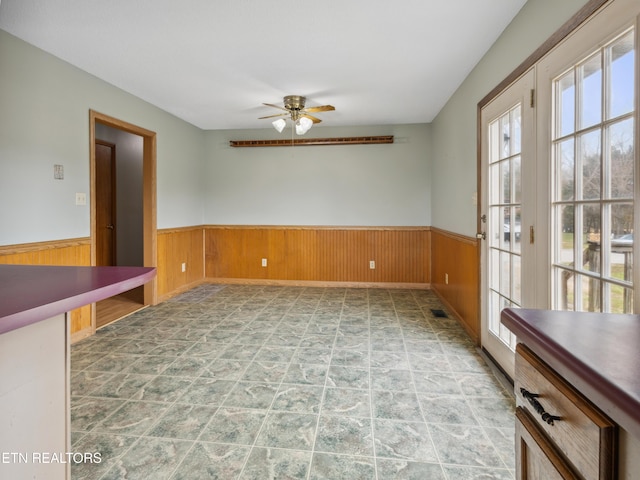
(446, 279)
(184, 267)
(372, 264)
(264, 262)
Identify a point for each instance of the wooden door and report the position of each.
(105, 203)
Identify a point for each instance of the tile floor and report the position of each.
(264, 382)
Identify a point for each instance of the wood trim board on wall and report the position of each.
(374, 140)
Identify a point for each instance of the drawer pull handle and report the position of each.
(537, 406)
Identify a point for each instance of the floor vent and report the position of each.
(438, 313)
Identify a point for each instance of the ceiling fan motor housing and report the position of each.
(294, 105)
(294, 102)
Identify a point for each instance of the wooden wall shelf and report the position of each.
(313, 141)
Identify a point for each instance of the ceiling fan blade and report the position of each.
(322, 108)
(313, 119)
(276, 115)
(275, 106)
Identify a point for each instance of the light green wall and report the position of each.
(370, 185)
(453, 155)
(44, 120)
(428, 177)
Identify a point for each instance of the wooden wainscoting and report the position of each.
(319, 255)
(175, 247)
(75, 252)
(405, 257)
(456, 257)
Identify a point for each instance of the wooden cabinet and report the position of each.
(559, 433)
(585, 369)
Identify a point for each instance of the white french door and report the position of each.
(508, 194)
(560, 183)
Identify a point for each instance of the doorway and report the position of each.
(123, 208)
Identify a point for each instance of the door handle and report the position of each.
(481, 236)
(110, 227)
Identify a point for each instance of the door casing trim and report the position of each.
(149, 183)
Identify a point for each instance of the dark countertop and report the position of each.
(31, 293)
(598, 353)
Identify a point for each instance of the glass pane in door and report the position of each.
(593, 153)
(504, 207)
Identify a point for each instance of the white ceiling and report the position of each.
(214, 62)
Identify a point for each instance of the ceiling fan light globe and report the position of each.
(303, 125)
(279, 124)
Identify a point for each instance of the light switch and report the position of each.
(58, 172)
(81, 198)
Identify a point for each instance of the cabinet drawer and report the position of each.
(539, 459)
(585, 436)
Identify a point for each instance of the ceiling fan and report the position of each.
(295, 109)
